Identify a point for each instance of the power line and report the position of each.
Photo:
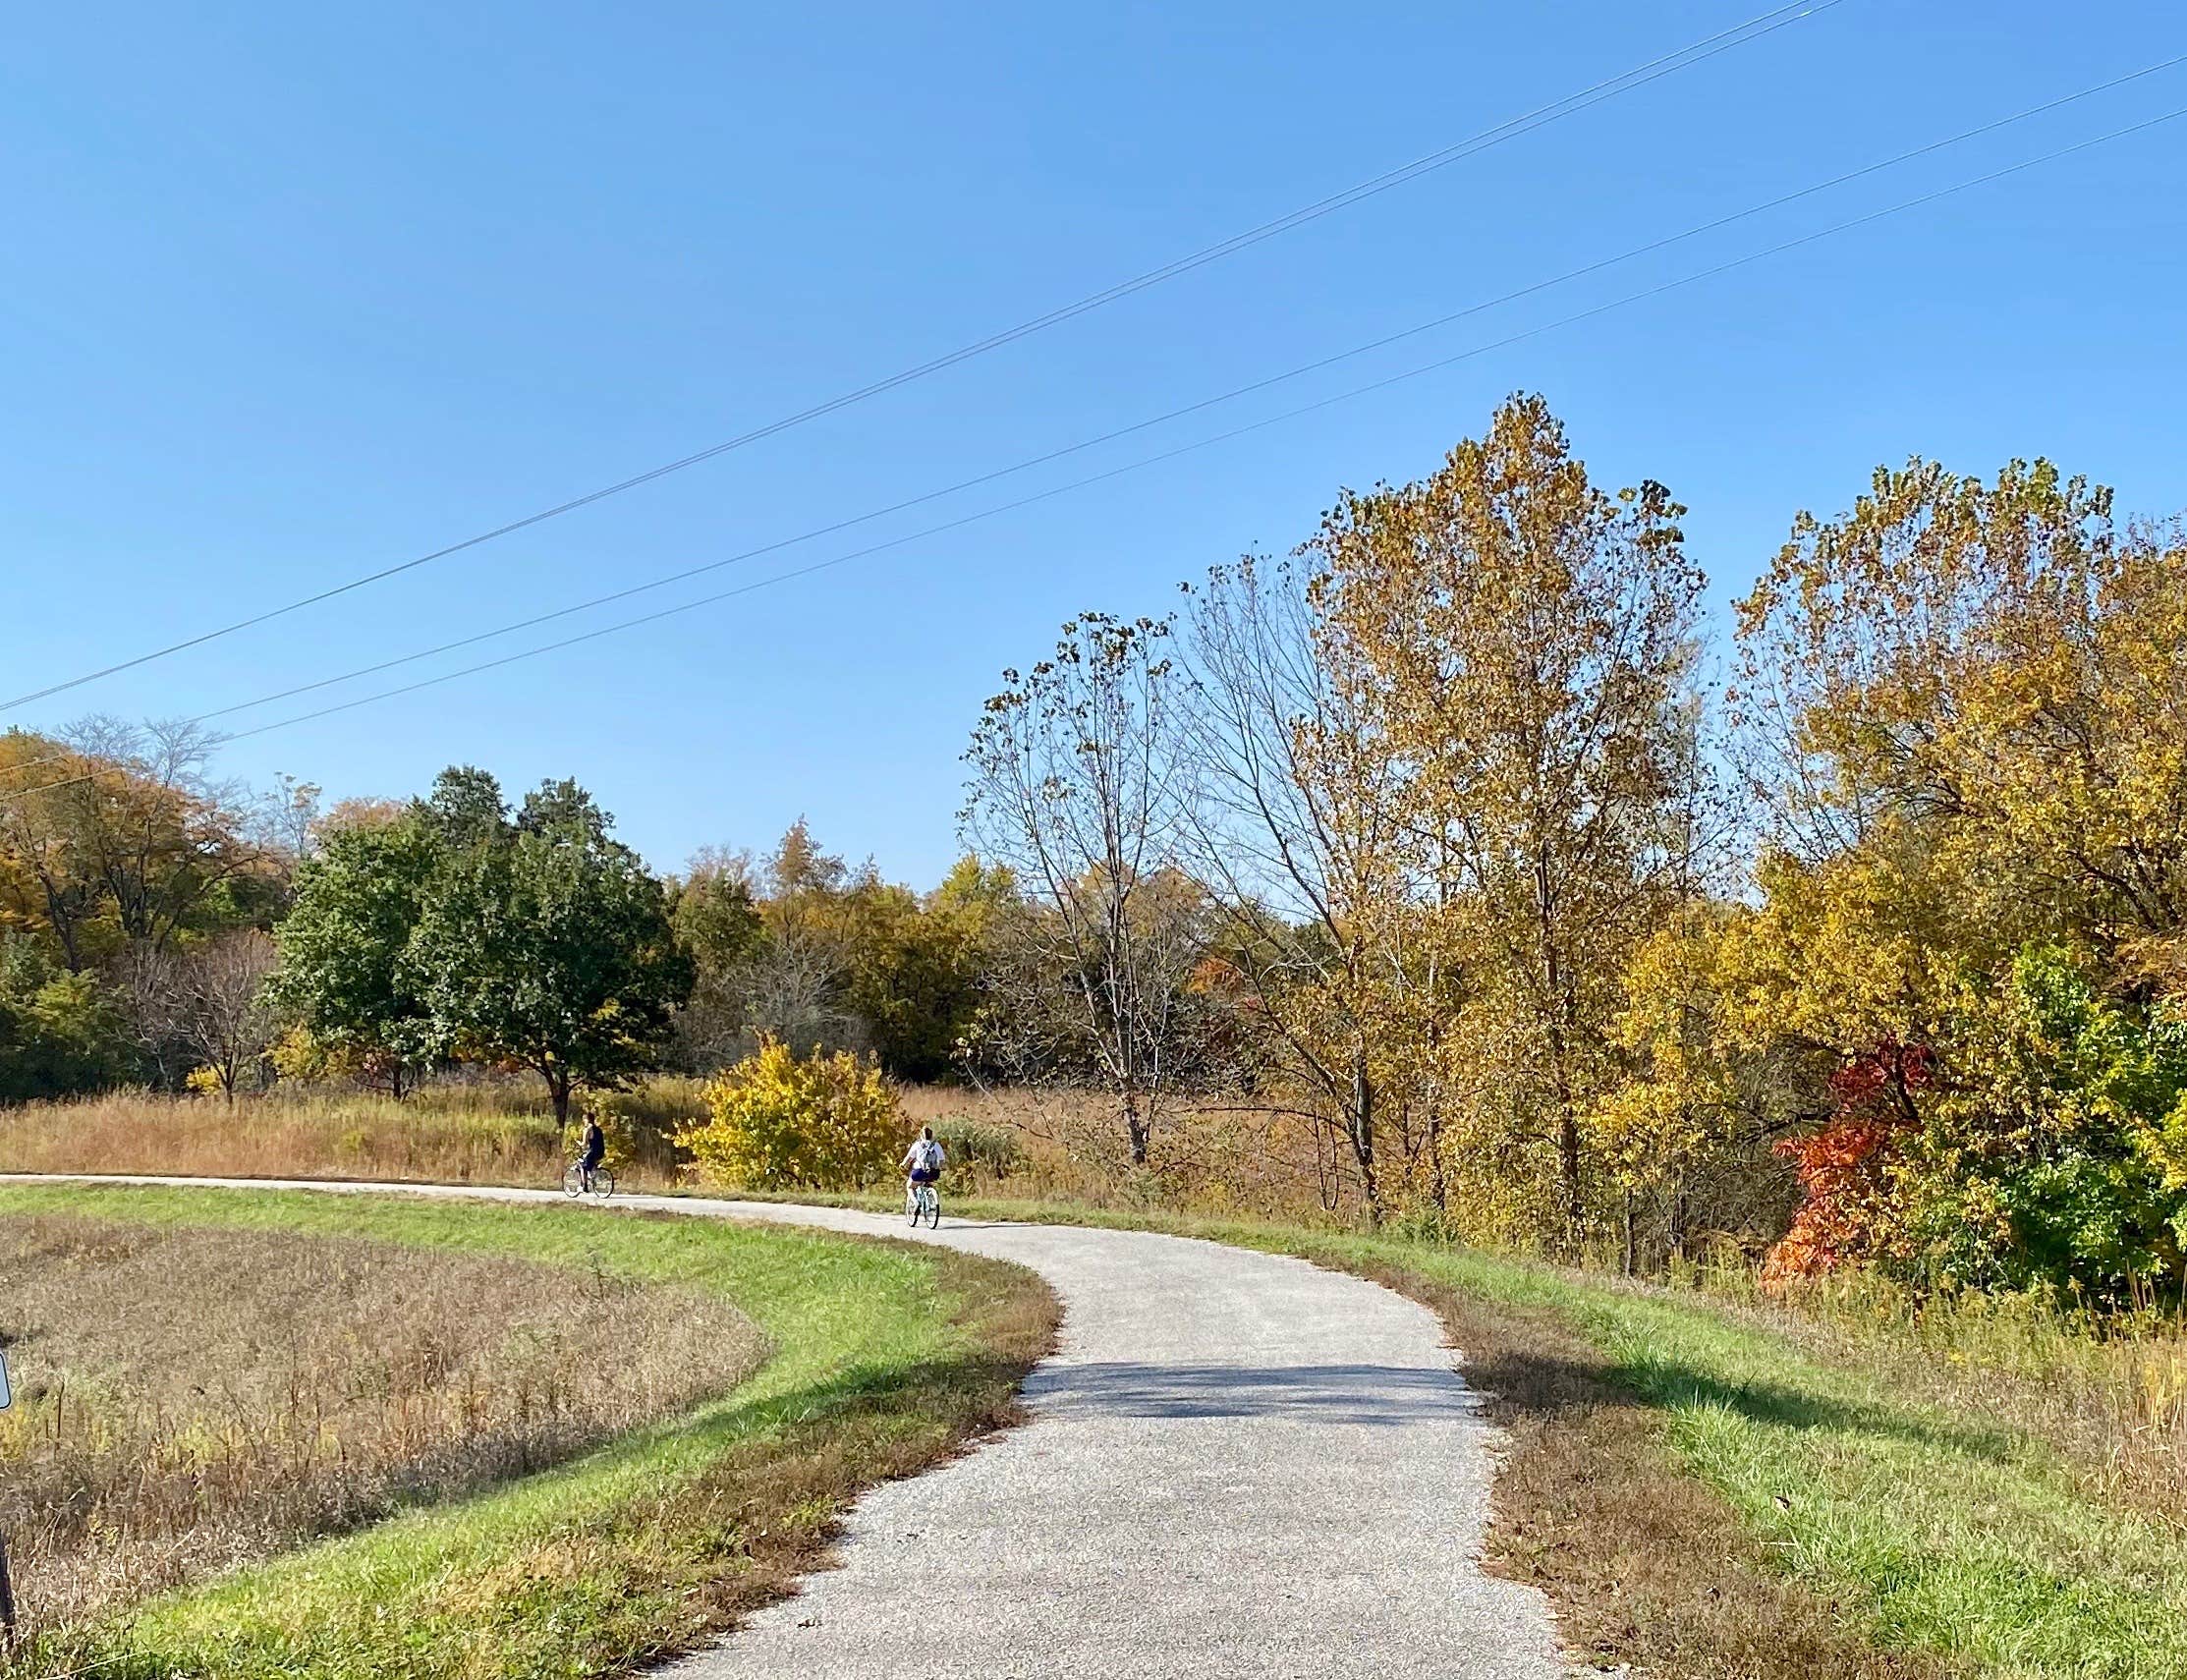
(1630, 297)
(1355, 392)
(1740, 35)
(1325, 362)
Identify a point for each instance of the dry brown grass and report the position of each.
(188, 1399)
(1216, 1160)
(477, 1132)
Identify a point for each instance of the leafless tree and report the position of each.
(1077, 786)
(1298, 826)
(223, 1013)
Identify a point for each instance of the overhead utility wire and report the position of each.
(1349, 395)
(1740, 35)
(688, 573)
(1930, 197)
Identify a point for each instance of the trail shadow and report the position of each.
(1380, 1396)
(1668, 1384)
(1524, 1383)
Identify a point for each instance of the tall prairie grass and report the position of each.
(468, 1133)
(188, 1399)
(2110, 1390)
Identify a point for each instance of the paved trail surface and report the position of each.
(1237, 1465)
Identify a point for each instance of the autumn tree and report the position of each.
(1527, 645)
(115, 836)
(1076, 787)
(1962, 705)
(1300, 825)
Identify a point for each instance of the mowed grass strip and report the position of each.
(887, 1359)
(1703, 1494)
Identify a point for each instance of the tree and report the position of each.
(542, 942)
(121, 839)
(1077, 787)
(346, 974)
(1524, 645)
(221, 1006)
(61, 1034)
(1962, 703)
(1300, 824)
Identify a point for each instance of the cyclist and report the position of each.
(924, 1161)
(595, 1148)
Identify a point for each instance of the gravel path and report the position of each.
(1237, 1465)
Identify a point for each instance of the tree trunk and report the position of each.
(1362, 1141)
(1568, 1169)
(1134, 1128)
(558, 1087)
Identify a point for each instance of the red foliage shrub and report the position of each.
(1840, 1163)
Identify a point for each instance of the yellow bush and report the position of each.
(830, 1123)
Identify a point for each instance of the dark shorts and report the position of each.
(924, 1175)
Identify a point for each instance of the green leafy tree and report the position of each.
(61, 1034)
(346, 977)
(543, 941)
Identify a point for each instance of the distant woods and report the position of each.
(1450, 846)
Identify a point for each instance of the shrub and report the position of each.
(777, 1122)
(990, 1150)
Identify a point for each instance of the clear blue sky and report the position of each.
(293, 292)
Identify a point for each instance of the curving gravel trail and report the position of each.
(1237, 1465)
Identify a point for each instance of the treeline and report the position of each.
(135, 894)
(1864, 933)
(1447, 845)
(158, 928)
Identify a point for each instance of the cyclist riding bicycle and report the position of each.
(594, 1150)
(924, 1161)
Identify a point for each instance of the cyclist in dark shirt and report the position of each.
(596, 1148)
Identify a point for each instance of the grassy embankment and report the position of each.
(885, 1359)
(194, 1399)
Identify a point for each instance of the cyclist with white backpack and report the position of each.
(922, 1163)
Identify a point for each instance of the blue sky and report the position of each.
(294, 293)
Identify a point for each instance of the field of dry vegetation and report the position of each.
(191, 1399)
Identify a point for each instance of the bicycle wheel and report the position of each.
(912, 1204)
(933, 1209)
(573, 1181)
(604, 1183)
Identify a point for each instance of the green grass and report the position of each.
(1945, 1533)
(884, 1358)
(1936, 1529)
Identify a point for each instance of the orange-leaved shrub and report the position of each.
(777, 1122)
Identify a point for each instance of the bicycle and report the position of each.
(924, 1199)
(598, 1184)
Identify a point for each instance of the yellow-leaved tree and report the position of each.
(1524, 646)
